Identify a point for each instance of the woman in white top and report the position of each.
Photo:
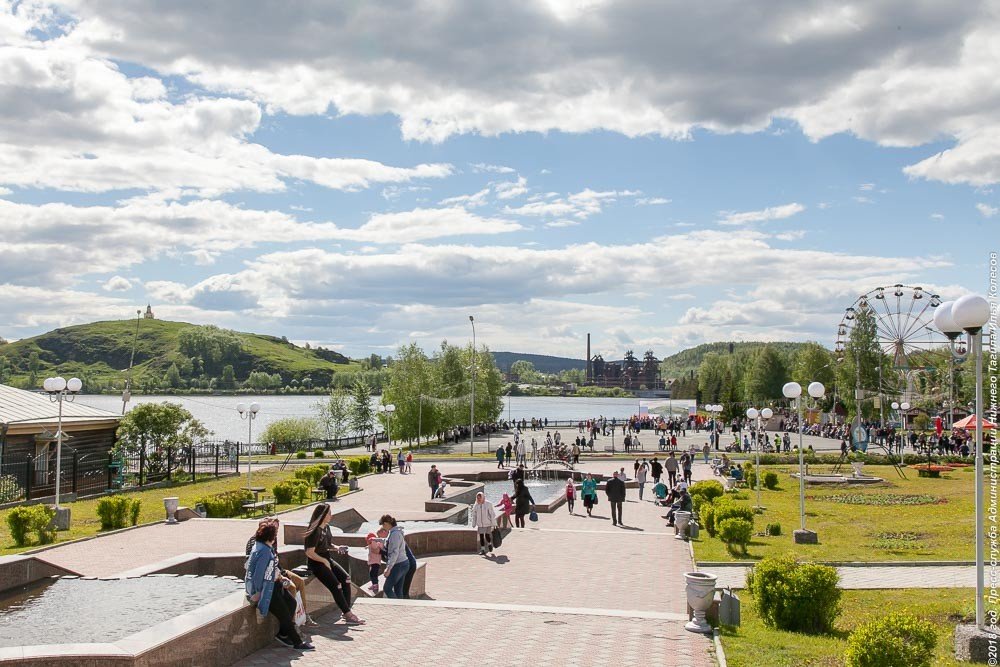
(484, 518)
(640, 476)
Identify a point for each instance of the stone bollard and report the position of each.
(171, 504)
(700, 593)
(681, 521)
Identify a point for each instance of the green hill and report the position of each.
(543, 363)
(688, 360)
(100, 352)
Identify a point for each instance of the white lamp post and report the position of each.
(60, 390)
(715, 410)
(759, 415)
(901, 409)
(388, 410)
(793, 391)
(472, 400)
(970, 314)
(249, 412)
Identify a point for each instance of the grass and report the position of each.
(753, 643)
(85, 522)
(901, 519)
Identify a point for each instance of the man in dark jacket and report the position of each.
(329, 484)
(615, 488)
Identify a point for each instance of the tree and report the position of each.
(489, 384)
(33, 365)
(767, 376)
(335, 413)
(291, 431)
(215, 346)
(411, 378)
(228, 377)
(173, 377)
(525, 372)
(361, 414)
(862, 357)
(154, 426)
(260, 381)
(814, 363)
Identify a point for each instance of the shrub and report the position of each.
(795, 596)
(225, 505)
(770, 480)
(773, 529)
(708, 489)
(301, 454)
(311, 474)
(291, 490)
(897, 639)
(707, 515)
(118, 511)
(10, 489)
(25, 520)
(736, 532)
(319, 453)
(751, 478)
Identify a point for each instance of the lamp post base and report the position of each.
(973, 644)
(805, 537)
(61, 520)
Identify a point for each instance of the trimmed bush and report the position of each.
(789, 595)
(319, 453)
(118, 511)
(770, 480)
(291, 490)
(897, 639)
(751, 478)
(225, 505)
(312, 474)
(301, 454)
(707, 515)
(773, 529)
(24, 521)
(736, 532)
(708, 489)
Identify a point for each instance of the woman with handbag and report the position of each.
(263, 572)
(484, 518)
(588, 491)
(318, 546)
(523, 502)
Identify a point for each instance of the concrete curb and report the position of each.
(720, 654)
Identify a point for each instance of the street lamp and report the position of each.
(969, 314)
(759, 415)
(388, 410)
(249, 412)
(793, 391)
(715, 410)
(472, 400)
(901, 409)
(60, 390)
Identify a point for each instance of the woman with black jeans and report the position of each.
(318, 546)
(522, 502)
(266, 587)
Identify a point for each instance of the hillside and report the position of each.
(542, 363)
(100, 351)
(688, 360)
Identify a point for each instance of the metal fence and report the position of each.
(35, 477)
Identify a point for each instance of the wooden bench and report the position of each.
(264, 505)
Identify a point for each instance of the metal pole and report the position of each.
(59, 399)
(802, 473)
(977, 344)
(472, 401)
(420, 418)
(250, 448)
(757, 468)
(951, 393)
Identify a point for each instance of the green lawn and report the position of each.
(754, 644)
(84, 512)
(941, 527)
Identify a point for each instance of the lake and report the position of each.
(219, 413)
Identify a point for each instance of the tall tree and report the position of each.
(411, 378)
(766, 377)
(862, 358)
(815, 363)
(152, 426)
(362, 414)
(335, 413)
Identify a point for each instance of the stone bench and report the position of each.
(264, 506)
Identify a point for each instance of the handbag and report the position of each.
(497, 537)
(533, 516)
(300, 611)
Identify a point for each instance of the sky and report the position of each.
(363, 175)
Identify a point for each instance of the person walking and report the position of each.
(640, 477)
(484, 520)
(588, 491)
(499, 457)
(433, 479)
(396, 562)
(510, 452)
(705, 451)
(656, 468)
(686, 460)
(615, 488)
(318, 548)
(523, 502)
(570, 494)
(506, 507)
(671, 466)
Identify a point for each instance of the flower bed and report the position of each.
(931, 470)
(882, 499)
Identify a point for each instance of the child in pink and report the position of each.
(506, 507)
(374, 558)
(570, 494)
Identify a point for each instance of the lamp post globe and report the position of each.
(791, 390)
(58, 383)
(895, 405)
(241, 408)
(254, 408)
(971, 312)
(817, 389)
(752, 413)
(766, 413)
(944, 320)
(904, 405)
(74, 385)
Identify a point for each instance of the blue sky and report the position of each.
(554, 167)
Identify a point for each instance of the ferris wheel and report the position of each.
(903, 316)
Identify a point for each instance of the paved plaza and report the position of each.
(568, 590)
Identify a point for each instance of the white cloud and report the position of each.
(5, 191)
(421, 224)
(866, 187)
(986, 210)
(793, 235)
(769, 213)
(481, 167)
(652, 201)
(862, 199)
(562, 222)
(580, 205)
(511, 189)
(474, 200)
(937, 216)
(116, 284)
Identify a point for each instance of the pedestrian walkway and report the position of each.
(871, 577)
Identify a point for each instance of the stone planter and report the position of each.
(171, 504)
(681, 521)
(859, 468)
(353, 484)
(700, 592)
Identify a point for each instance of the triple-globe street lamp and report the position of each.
(249, 412)
(969, 314)
(59, 390)
(793, 391)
